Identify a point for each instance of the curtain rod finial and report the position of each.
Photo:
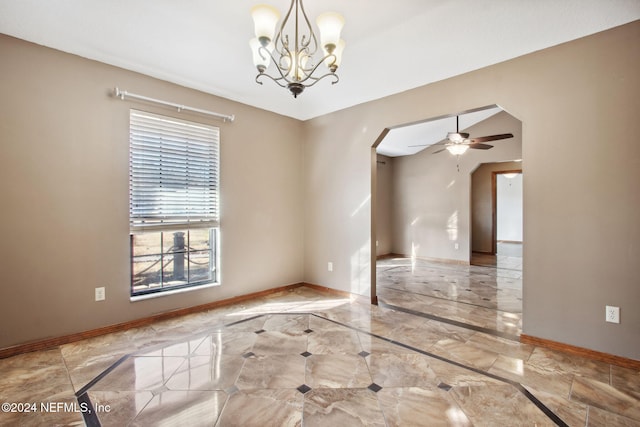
(118, 94)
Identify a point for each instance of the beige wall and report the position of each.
(63, 186)
(482, 204)
(384, 206)
(578, 103)
(431, 197)
(64, 194)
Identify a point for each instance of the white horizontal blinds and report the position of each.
(173, 173)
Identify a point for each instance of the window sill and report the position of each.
(172, 292)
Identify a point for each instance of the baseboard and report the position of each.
(337, 292)
(50, 343)
(582, 352)
(344, 294)
(389, 255)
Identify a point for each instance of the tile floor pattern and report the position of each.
(508, 255)
(307, 358)
(482, 296)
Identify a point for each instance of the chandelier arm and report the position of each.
(314, 80)
(317, 79)
(277, 80)
(332, 66)
(278, 65)
(285, 53)
(262, 51)
(279, 46)
(309, 72)
(279, 68)
(312, 35)
(279, 37)
(304, 57)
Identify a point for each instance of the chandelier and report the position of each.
(294, 48)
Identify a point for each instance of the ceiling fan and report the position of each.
(458, 142)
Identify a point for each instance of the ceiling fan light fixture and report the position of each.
(457, 137)
(457, 149)
(510, 175)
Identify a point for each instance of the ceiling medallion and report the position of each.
(294, 46)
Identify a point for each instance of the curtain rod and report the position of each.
(122, 94)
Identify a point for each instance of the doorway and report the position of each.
(421, 229)
(498, 233)
(508, 228)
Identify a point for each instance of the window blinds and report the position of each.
(173, 173)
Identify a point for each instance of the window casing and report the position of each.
(173, 203)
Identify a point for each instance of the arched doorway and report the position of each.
(423, 199)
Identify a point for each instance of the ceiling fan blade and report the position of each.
(480, 146)
(491, 138)
(439, 151)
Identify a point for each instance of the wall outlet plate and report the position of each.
(612, 314)
(330, 266)
(100, 294)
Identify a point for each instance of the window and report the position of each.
(173, 203)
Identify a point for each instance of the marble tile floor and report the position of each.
(307, 358)
(508, 256)
(485, 297)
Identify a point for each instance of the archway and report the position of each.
(424, 201)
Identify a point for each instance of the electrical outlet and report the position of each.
(100, 294)
(612, 314)
(456, 246)
(330, 266)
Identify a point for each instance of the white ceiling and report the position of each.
(392, 46)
